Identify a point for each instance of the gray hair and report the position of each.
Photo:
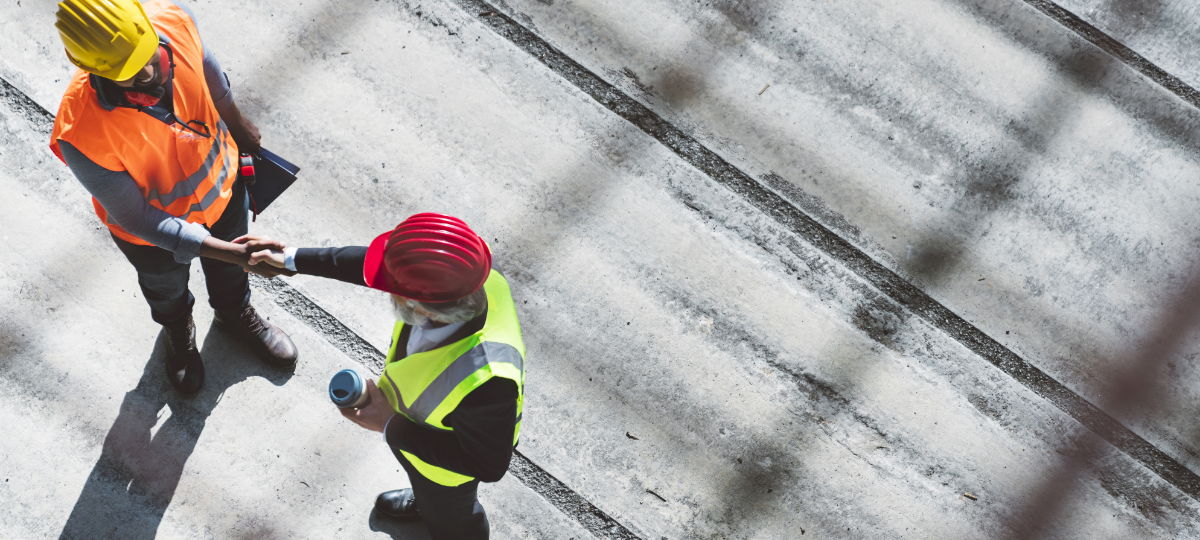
(461, 310)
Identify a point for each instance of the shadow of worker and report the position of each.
(145, 451)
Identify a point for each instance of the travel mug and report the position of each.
(348, 390)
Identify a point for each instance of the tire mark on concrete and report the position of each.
(804, 226)
(346, 340)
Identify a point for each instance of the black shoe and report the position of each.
(267, 340)
(185, 368)
(399, 505)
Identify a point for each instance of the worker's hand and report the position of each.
(258, 242)
(238, 252)
(246, 136)
(375, 415)
(273, 257)
(267, 271)
(255, 244)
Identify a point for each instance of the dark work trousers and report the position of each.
(164, 281)
(450, 513)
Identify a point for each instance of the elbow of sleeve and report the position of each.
(190, 239)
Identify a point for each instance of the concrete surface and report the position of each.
(1014, 172)
(696, 370)
(1163, 31)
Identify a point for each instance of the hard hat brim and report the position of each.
(136, 61)
(374, 273)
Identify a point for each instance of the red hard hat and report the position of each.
(428, 258)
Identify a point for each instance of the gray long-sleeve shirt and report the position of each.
(118, 193)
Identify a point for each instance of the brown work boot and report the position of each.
(185, 368)
(267, 340)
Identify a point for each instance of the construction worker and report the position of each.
(149, 127)
(450, 397)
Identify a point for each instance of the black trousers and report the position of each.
(450, 513)
(164, 281)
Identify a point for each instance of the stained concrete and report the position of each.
(1016, 173)
(1163, 31)
(695, 369)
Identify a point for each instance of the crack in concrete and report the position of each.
(878, 275)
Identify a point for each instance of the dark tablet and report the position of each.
(272, 175)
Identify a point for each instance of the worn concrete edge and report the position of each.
(1117, 50)
(806, 227)
(529, 473)
(346, 340)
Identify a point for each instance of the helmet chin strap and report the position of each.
(151, 99)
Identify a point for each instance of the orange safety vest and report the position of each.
(184, 174)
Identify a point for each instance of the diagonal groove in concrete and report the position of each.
(1106, 43)
(813, 232)
(346, 340)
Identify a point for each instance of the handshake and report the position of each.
(261, 255)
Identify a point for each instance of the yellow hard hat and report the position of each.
(111, 38)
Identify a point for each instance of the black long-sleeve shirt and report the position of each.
(481, 443)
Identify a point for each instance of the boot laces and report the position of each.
(179, 338)
(252, 321)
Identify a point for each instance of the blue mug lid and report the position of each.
(345, 387)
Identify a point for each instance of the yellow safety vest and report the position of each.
(427, 386)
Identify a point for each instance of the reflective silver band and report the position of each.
(457, 372)
(188, 186)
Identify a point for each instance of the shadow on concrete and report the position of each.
(1128, 17)
(1135, 388)
(399, 531)
(145, 451)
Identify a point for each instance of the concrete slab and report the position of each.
(1163, 31)
(1017, 174)
(696, 370)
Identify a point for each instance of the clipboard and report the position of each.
(272, 176)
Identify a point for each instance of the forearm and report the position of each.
(341, 263)
(214, 248)
(121, 198)
(230, 113)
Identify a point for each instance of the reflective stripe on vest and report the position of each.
(427, 386)
(468, 364)
(184, 174)
(189, 185)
